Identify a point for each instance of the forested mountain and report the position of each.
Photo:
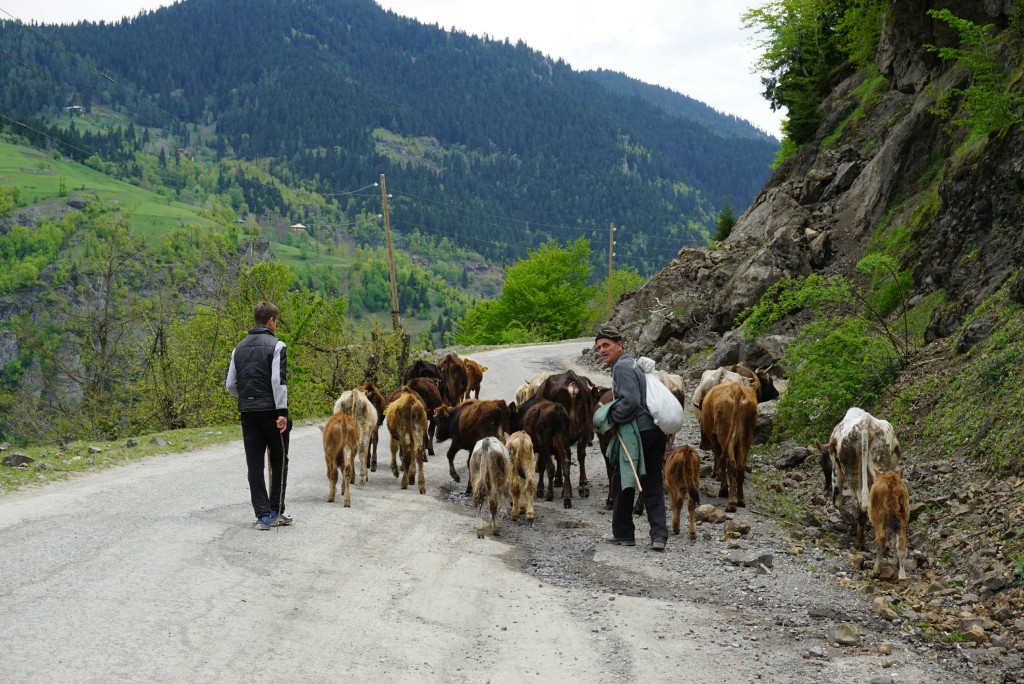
(491, 144)
(676, 103)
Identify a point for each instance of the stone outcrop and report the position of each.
(896, 163)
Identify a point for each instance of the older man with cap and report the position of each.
(627, 413)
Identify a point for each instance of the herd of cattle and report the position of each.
(510, 443)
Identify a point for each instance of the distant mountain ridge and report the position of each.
(676, 103)
(335, 93)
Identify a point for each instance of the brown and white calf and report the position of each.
(407, 423)
(377, 399)
(522, 487)
(889, 510)
(341, 443)
(355, 404)
(488, 475)
(859, 444)
(682, 480)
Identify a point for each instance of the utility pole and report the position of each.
(611, 253)
(396, 321)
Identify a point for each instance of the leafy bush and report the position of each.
(789, 295)
(834, 364)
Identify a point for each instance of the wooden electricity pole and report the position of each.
(396, 321)
(611, 253)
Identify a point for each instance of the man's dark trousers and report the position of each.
(653, 442)
(260, 433)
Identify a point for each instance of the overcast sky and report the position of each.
(695, 47)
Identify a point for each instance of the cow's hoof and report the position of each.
(373, 468)
(425, 458)
(394, 471)
(723, 493)
(557, 482)
(730, 509)
(741, 504)
(675, 530)
(549, 497)
(567, 503)
(455, 476)
(423, 488)
(412, 479)
(609, 505)
(584, 491)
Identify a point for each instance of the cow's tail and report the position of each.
(863, 496)
(731, 447)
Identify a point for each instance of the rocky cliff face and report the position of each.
(894, 162)
(958, 205)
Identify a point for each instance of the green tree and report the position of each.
(544, 298)
(988, 104)
(725, 221)
(622, 280)
(806, 44)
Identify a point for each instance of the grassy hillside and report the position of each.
(42, 178)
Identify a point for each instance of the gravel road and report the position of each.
(152, 572)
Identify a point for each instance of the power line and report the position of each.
(47, 135)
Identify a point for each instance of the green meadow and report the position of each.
(40, 178)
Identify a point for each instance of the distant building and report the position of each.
(298, 229)
(77, 110)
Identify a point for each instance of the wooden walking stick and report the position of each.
(632, 467)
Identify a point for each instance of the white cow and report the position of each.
(859, 444)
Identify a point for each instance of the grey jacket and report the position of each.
(629, 385)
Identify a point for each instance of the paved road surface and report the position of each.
(151, 572)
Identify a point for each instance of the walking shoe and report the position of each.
(262, 524)
(280, 519)
(620, 541)
(658, 544)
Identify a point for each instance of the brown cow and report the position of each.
(341, 443)
(421, 369)
(468, 423)
(429, 391)
(407, 423)
(682, 480)
(453, 378)
(728, 416)
(547, 424)
(522, 487)
(488, 476)
(474, 375)
(890, 512)
(377, 399)
(579, 397)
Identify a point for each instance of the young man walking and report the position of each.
(258, 375)
(629, 413)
